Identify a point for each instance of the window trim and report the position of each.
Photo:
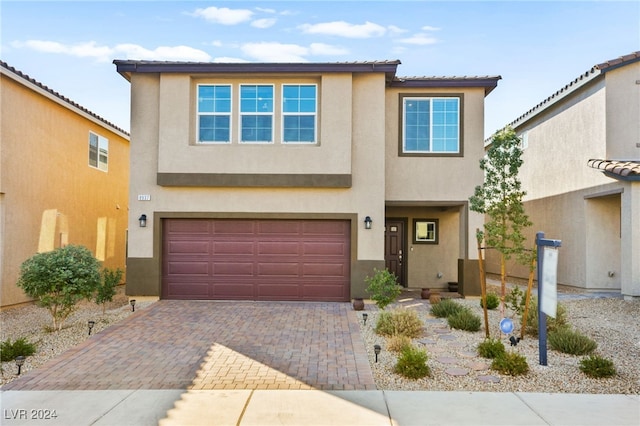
(284, 114)
(401, 98)
(97, 166)
(272, 114)
(436, 230)
(198, 114)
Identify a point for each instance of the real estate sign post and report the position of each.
(547, 288)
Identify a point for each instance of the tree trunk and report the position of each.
(483, 288)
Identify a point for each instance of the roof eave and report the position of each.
(488, 83)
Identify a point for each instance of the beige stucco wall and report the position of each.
(49, 194)
(623, 113)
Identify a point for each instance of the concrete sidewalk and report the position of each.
(305, 407)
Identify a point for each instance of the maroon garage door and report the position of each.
(256, 259)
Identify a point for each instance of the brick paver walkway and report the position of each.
(216, 345)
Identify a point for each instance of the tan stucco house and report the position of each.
(581, 172)
(64, 175)
(270, 181)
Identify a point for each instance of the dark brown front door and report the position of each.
(394, 249)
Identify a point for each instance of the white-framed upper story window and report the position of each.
(98, 152)
(299, 113)
(256, 113)
(431, 125)
(524, 140)
(214, 113)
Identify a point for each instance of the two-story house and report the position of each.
(581, 172)
(293, 181)
(64, 174)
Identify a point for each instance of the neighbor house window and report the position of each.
(431, 125)
(214, 113)
(256, 113)
(425, 231)
(299, 113)
(98, 151)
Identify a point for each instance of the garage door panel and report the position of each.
(188, 268)
(256, 259)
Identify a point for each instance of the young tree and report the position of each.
(500, 198)
(59, 279)
(107, 288)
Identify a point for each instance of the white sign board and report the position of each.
(549, 302)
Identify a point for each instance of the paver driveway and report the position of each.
(216, 345)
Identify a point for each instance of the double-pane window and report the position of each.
(98, 151)
(431, 125)
(299, 113)
(214, 113)
(256, 113)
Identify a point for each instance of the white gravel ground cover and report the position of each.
(455, 365)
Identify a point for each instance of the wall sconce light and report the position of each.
(91, 324)
(376, 350)
(143, 220)
(133, 305)
(19, 361)
(364, 318)
(367, 222)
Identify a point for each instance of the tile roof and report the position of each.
(64, 99)
(487, 81)
(621, 170)
(578, 82)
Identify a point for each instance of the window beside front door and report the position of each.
(425, 231)
(431, 125)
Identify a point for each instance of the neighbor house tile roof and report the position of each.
(26, 80)
(621, 170)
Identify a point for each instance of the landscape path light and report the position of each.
(91, 324)
(19, 362)
(133, 305)
(377, 349)
(364, 318)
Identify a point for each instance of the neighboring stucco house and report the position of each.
(64, 175)
(270, 181)
(581, 172)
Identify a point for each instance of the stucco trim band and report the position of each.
(255, 180)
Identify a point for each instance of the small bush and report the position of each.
(107, 289)
(571, 342)
(464, 320)
(491, 348)
(383, 287)
(511, 363)
(412, 363)
(597, 367)
(445, 308)
(493, 301)
(402, 321)
(515, 300)
(398, 343)
(560, 321)
(9, 351)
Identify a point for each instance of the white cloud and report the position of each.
(92, 50)
(429, 28)
(262, 9)
(419, 39)
(396, 30)
(281, 52)
(223, 15)
(327, 49)
(228, 59)
(275, 52)
(263, 23)
(345, 29)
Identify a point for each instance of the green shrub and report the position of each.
(383, 287)
(510, 363)
(571, 342)
(445, 308)
(412, 363)
(9, 351)
(107, 289)
(597, 367)
(401, 321)
(560, 321)
(398, 343)
(493, 301)
(491, 348)
(464, 320)
(515, 300)
(59, 279)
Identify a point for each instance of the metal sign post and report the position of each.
(542, 242)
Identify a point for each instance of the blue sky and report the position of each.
(536, 46)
